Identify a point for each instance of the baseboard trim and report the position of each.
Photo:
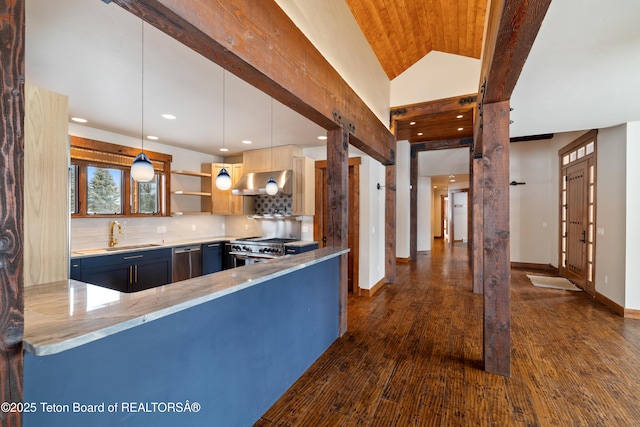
(630, 313)
(617, 308)
(532, 266)
(403, 260)
(373, 290)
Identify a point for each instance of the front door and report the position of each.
(576, 211)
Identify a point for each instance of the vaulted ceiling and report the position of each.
(401, 32)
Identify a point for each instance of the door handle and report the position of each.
(584, 236)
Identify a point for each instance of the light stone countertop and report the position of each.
(62, 315)
(82, 253)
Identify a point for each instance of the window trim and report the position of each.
(88, 152)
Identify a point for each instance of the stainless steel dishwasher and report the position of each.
(187, 262)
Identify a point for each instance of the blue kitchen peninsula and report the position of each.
(214, 350)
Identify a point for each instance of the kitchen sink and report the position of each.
(116, 248)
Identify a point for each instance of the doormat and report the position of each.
(552, 282)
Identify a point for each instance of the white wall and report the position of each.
(372, 222)
(425, 233)
(437, 75)
(611, 213)
(632, 276)
(403, 196)
(533, 207)
(333, 30)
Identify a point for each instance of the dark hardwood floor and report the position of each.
(413, 356)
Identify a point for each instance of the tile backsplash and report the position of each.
(278, 204)
(90, 233)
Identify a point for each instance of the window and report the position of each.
(101, 183)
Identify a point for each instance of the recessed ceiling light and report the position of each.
(79, 119)
(452, 180)
(224, 149)
(459, 116)
(246, 141)
(420, 134)
(460, 129)
(412, 123)
(435, 186)
(168, 116)
(452, 176)
(322, 137)
(154, 138)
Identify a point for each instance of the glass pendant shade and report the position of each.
(142, 169)
(271, 187)
(223, 180)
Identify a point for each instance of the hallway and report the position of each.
(413, 356)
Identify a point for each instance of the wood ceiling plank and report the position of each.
(260, 44)
(424, 22)
(478, 34)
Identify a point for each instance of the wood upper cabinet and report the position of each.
(222, 202)
(46, 187)
(303, 198)
(270, 159)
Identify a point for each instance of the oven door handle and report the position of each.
(243, 255)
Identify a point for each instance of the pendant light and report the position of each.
(223, 180)
(272, 186)
(141, 168)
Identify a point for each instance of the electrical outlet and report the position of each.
(159, 229)
(606, 279)
(246, 226)
(193, 227)
(305, 228)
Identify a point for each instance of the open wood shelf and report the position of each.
(192, 173)
(190, 213)
(191, 193)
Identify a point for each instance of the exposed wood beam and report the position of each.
(413, 111)
(531, 137)
(12, 108)
(496, 265)
(477, 233)
(260, 44)
(511, 30)
(442, 145)
(413, 206)
(390, 224)
(337, 205)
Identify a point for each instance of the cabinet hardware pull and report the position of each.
(215, 245)
(133, 256)
(136, 267)
(130, 274)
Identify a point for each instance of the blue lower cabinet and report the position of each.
(298, 249)
(212, 257)
(125, 272)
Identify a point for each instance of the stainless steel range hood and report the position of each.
(253, 184)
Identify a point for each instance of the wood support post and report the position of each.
(497, 274)
(12, 107)
(413, 206)
(390, 224)
(477, 220)
(337, 205)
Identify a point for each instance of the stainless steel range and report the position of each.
(255, 249)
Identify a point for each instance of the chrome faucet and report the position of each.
(112, 239)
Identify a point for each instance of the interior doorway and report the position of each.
(320, 218)
(459, 216)
(577, 211)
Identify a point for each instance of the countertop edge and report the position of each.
(72, 342)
